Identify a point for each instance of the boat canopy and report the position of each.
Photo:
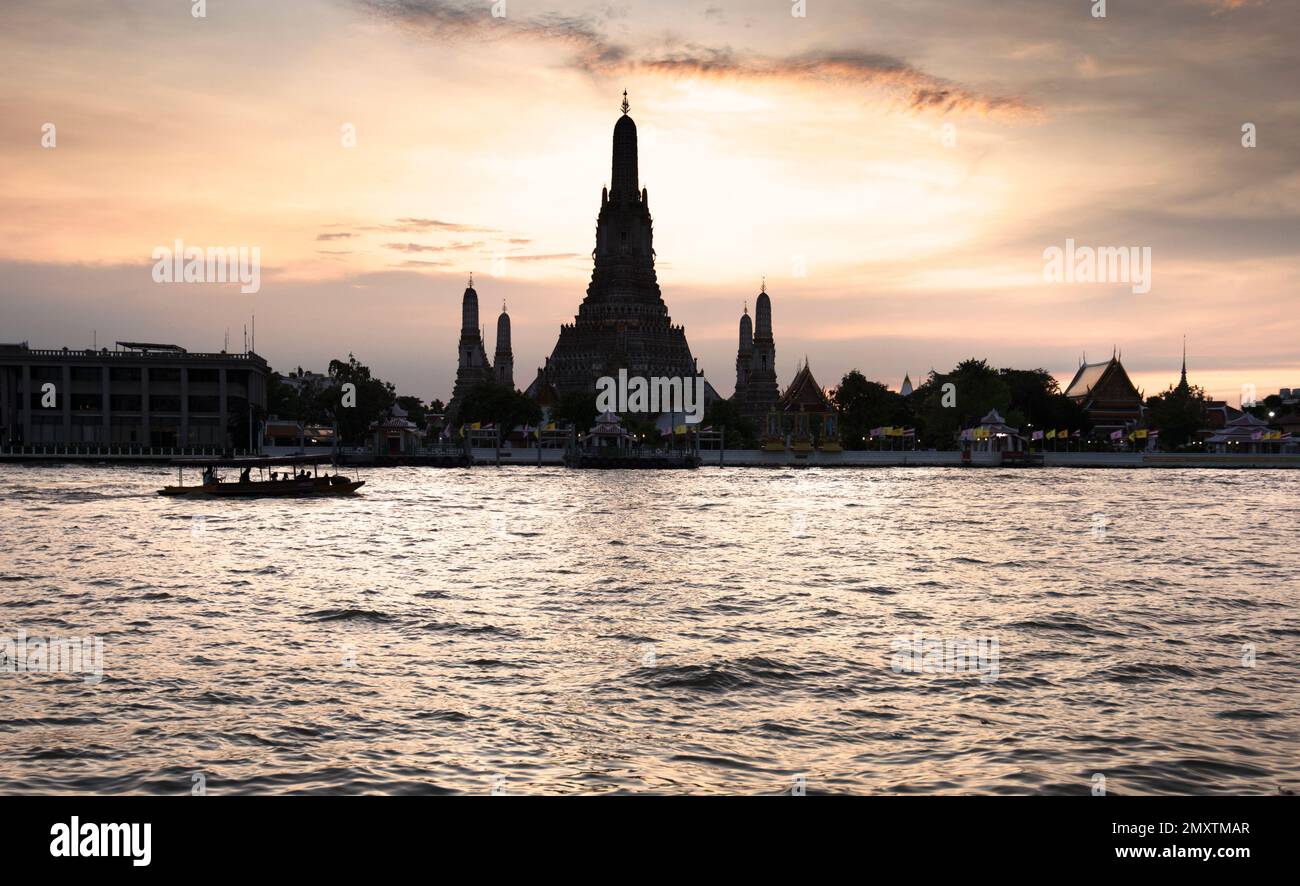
(252, 461)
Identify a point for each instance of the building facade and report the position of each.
(139, 394)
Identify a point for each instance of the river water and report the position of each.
(525, 630)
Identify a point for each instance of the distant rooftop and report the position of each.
(149, 346)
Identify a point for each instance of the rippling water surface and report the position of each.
(716, 631)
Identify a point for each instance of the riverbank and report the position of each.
(730, 458)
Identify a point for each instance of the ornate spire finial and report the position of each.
(471, 279)
(764, 287)
(626, 106)
(745, 310)
(503, 305)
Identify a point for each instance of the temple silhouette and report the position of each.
(623, 323)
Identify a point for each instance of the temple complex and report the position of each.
(623, 322)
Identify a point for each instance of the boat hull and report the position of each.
(266, 489)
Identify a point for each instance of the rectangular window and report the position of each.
(200, 403)
(164, 404)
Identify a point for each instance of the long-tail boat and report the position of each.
(294, 483)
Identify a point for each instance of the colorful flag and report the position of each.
(1037, 435)
(1051, 435)
(1117, 435)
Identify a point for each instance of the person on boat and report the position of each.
(245, 475)
(209, 476)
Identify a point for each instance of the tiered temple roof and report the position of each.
(1106, 392)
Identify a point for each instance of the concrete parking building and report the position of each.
(136, 395)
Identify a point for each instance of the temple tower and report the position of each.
(472, 367)
(761, 391)
(505, 358)
(623, 322)
(744, 355)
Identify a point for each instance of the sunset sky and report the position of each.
(767, 141)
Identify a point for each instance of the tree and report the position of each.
(373, 399)
(942, 412)
(738, 431)
(1179, 412)
(1037, 401)
(577, 408)
(308, 401)
(492, 403)
(864, 405)
(415, 409)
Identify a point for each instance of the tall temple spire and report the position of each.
(623, 178)
(472, 366)
(1183, 386)
(756, 386)
(622, 322)
(504, 361)
(469, 309)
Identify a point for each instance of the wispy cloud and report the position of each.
(595, 53)
(426, 225)
(555, 256)
(424, 247)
